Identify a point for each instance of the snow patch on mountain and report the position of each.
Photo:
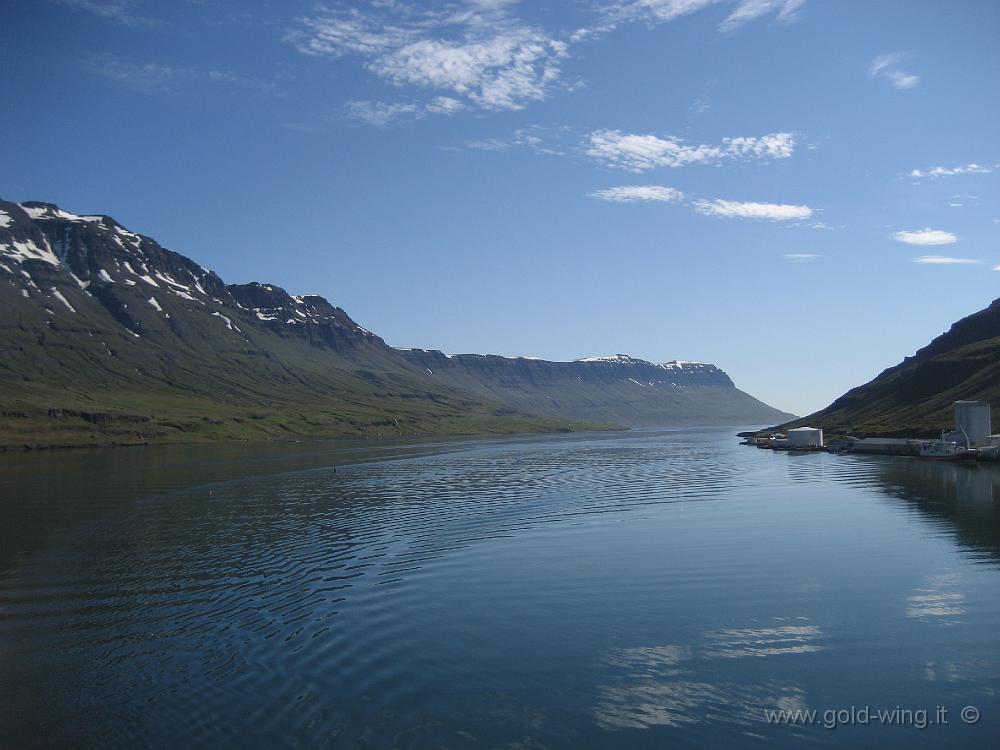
(28, 250)
(58, 295)
(52, 212)
(613, 358)
(229, 323)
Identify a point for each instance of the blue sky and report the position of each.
(801, 192)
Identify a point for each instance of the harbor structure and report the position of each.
(805, 439)
(972, 439)
(973, 423)
(889, 446)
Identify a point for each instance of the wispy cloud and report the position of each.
(664, 11)
(996, 268)
(750, 10)
(970, 168)
(478, 52)
(445, 105)
(145, 77)
(715, 207)
(800, 257)
(639, 153)
(150, 77)
(887, 68)
(926, 237)
(381, 114)
(638, 193)
(125, 12)
(942, 260)
(747, 210)
(703, 102)
(475, 53)
(538, 138)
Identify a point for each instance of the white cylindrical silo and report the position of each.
(973, 418)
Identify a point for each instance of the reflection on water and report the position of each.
(941, 597)
(625, 590)
(659, 685)
(965, 495)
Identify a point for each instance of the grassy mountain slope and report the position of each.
(916, 396)
(105, 337)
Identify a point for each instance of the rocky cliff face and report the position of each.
(107, 336)
(916, 396)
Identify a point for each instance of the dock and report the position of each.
(972, 438)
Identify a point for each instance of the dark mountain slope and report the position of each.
(916, 396)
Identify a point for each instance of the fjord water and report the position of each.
(644, 589)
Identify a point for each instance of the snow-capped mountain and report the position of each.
(110, 337)
(138, 282)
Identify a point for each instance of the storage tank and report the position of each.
(974, 418)
(805, 438)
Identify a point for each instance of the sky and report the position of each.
(802, 192)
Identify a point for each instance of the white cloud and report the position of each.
(971, 168)
(475, 51)
(381, 114)
(145, 77)
(926, 237)
(887, 68)
(735, 209)
(150, 77)
(638, 153)
(664, 11)
(445, 105)
(538, 138)
(941, 260)
(503, 71)
(800, 257)
(633, 193)
(120, 11)
(659, 10)
(751, 10)
(336, 35)
(996, 268)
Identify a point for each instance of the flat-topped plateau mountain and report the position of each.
(616, 388)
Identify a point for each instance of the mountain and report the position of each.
(915, 398)
(616, 388)
(108, 337)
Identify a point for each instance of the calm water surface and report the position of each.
(640, 590)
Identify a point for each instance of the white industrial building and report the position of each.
(805, 438)
(972, 422)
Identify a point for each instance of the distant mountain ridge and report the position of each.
(108, 337)
(616, 388)
(916, 396)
